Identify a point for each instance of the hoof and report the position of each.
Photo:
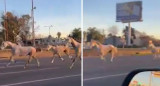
(62, 60)
(102, 58)
(38, 65)
(70, 57)
(52, 61)
(70, 67)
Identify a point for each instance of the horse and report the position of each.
(77, 48)
(155, 50)
(104, 49)
(59, 50)
(18, 50)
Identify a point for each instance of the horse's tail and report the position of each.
(114, 49)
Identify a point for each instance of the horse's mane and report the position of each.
(76, 40)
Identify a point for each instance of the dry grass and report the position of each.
(7, 54)
(88, 52)
(121, 52)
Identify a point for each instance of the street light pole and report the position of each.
(6, 31)
(33, 32)
(49, 28)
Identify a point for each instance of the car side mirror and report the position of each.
(143, 77)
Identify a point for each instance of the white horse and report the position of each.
(155, 50)
(18, 50)
(77, 48)
(104, 49)
(59, 50)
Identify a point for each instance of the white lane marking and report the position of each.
(40, 80)
(15, 66)
(15, 63)
(28, 71)
(108, 76)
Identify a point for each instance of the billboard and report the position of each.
(129, 11)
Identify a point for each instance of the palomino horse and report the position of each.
(104, 49)
(18, 50)
(59, 50)
(155, 50)
(77, 48)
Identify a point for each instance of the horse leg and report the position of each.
(67, 53)
(155, 55)
(38, 63)
(10, 61)
(29, 60)
(53, 59)
(102, 57)
(74, 60)
(112, 56)
(60, 57)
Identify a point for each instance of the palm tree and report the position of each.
(59, 35)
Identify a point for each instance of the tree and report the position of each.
(16, 26)
(133, 34)
(12, 26)
(76, 34)
(94, 33)
(25, 24)
(59, 35)
(113, 30)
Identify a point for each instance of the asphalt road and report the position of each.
(100, 73)
(56, 74)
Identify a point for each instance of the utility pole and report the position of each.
(129, 34)
(49, 29)
(5, 23)
(33, 32)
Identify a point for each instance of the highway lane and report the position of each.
(47, 74)
(100, 73)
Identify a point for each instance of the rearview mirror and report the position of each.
(143, 78)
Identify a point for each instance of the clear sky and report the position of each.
(64, 15)
(102, 14)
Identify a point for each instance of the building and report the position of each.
(50, 40)
(114, 40)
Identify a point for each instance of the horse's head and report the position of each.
(150, 44)
(4, 45)
(92, 43)
(69, 39)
